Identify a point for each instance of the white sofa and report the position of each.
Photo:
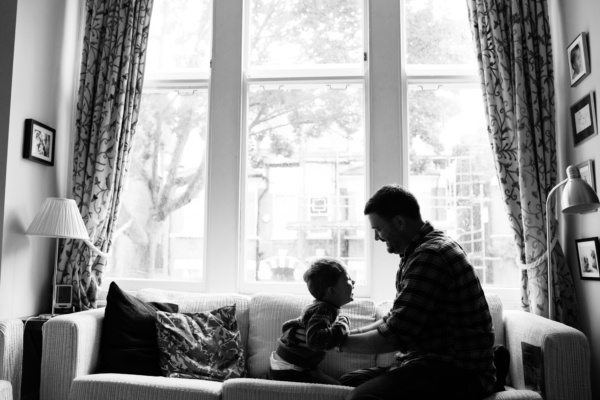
(11, 358)
(71, 350)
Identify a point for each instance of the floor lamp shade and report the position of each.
(59, 218)
(577, 197)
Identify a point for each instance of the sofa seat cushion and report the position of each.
(512, 394)
(268, 311)
(260, 389)
(138, 387)
(201, 302)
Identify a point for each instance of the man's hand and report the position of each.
(300, 335)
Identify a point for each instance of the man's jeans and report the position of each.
(416, 380)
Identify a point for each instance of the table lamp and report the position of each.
(60, 219)
(577, 197)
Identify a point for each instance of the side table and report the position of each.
(32, 358)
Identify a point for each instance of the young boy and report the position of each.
(328, 282)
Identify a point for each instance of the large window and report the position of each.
(450, 163)
(160, 232)
(265, 125)
(305, 139)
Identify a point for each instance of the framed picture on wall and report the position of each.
(578, 58)
(586, 169)
(38, 143)
(583, 118)
(587, 256)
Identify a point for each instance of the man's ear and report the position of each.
(399, 221)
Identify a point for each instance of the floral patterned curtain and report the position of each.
(110, 85)
(512, 40)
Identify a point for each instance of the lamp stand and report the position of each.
(54, 278)
(549, 252)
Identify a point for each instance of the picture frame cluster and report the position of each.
(583, 113)
(584, 126)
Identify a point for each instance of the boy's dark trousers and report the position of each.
(306, 376)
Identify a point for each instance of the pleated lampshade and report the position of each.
(59, 218)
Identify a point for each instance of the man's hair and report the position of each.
(322, 274)
(393, 200)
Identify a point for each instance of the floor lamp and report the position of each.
(60, 219)
(577, 197)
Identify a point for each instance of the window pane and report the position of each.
(453, 176)
(296, 33)
(437, 32)
(180, 36)
(160, 232)
(305, 180)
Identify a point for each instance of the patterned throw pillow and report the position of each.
(204, 345)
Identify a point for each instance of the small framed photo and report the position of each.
(586, 169)
(38, 144)
(587, 256)
(583, 118)
(578, 58)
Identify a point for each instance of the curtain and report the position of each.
(110, 85)
(513, 46)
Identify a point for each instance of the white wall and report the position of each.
(568, 19)
(44, 77)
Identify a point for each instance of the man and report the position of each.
(439, 322)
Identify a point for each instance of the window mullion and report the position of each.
(386, 151)
(223, 193)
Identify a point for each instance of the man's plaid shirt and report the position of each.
(440, 311)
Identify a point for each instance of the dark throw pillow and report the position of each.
(128, 343)
(205, 345)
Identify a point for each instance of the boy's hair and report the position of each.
(322, 274)
(393, 200)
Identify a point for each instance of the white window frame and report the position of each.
(385, 81)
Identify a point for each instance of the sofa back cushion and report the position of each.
(268, 311)
(200, 302)
(494, 303)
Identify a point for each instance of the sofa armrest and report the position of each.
(6, 392)
(71, 348)
(11, 354)
(565, 355)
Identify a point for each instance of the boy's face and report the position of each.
(342, 292)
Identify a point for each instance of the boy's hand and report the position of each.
(300, 335)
